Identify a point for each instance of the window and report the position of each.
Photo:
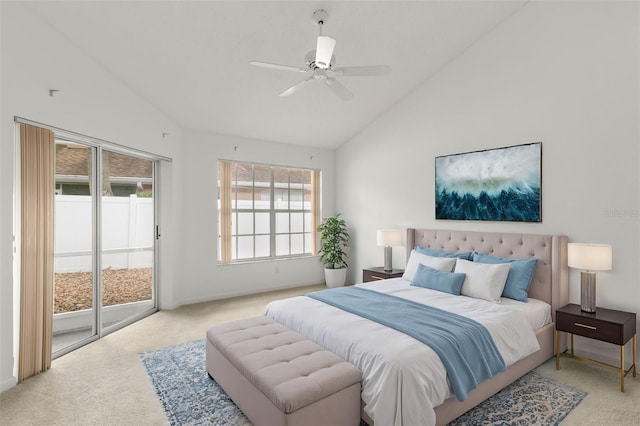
(266, 212)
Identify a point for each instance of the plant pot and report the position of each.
(335, 277)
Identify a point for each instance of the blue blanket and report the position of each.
(465, 347)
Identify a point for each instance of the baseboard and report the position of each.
(8, 384)
(232, 294)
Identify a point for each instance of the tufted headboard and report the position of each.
(550, 281)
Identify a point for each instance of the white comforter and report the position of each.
(403, 379)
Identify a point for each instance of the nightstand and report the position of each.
(378, 273)
(606, 325)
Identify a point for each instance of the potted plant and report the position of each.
(334, 238)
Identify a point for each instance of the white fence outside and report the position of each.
(127, 233)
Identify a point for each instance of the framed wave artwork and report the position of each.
(502, 184)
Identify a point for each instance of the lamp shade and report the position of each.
(389, 237)
(591, 257)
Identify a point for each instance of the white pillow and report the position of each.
(483, 280)
(442, 264)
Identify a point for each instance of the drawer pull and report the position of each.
(375, 277)
(584, 326)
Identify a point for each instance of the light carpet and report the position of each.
(190, 397)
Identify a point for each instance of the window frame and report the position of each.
(308, 232)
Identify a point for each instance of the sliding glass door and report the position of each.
(105, 222)
(127, 241)
(74, 293)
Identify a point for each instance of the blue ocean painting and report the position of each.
(499, 184)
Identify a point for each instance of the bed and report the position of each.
(398, 376)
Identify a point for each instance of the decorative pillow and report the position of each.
(444, 264)
(520, 274)
(446, 282)
(466, 255)
(483, 280)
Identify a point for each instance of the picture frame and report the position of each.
(499, 184)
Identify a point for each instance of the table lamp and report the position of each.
(589, 258)
(388, 238)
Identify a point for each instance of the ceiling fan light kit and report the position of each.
(324, 51)
(320, 64)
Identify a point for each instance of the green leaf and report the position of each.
(334, 238)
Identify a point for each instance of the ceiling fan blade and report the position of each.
(277, 66)
(339, 89)
(362, 71)
(296, 87)
(324, 51)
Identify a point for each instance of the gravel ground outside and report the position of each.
(73, 291)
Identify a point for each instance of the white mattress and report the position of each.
(537, 312)
(403, 379)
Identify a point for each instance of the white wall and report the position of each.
(565, 74)
(203, 278)
(91, 101)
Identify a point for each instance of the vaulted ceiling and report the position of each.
(190, 59)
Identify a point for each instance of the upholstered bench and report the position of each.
(278, 377)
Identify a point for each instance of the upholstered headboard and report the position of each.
(550, 281)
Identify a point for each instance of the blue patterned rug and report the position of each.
(190, 397)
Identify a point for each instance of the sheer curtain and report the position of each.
(315, 211)
(37, 165)
(225, 211)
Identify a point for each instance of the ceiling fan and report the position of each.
(320, 65)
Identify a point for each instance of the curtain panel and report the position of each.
(316, 218)
(37, 174)
(225, 211)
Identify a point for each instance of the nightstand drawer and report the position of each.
(372, 276)
(590, 327)
(378, 273)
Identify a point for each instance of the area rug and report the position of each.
(190, 397)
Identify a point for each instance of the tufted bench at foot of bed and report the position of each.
(278, 377)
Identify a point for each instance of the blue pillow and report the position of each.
(446, 282)
(466, 255)
(520, 274)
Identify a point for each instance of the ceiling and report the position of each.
(190, 59)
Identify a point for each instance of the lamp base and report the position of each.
(387, 259)
(588, 291)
